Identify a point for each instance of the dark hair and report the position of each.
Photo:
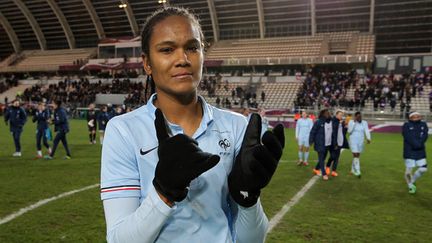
(322, 112)
(147, 32)
(58, 102)
(357, 113)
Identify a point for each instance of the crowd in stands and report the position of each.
(329, 89)
(80, 93)
(244, 96)
(8, 83)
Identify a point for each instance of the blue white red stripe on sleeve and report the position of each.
(120, 188)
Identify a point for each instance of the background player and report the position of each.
(303, 127)
(321, 137)
(103, 118)
(339, 141)
(61, 126)
(42, 117)
(17, 117)
(415, 134)
(92, 123)
(358, 129)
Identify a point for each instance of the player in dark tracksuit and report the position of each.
(415, 133)
(92, 123)
(17, 117)
(41, 116)
(61, 126)
(321, 137)
(103, 118)
(339, 142)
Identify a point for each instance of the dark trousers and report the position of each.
(334, 157)
(321, 160)
(16, 134)
(40, 135)
(60, 136)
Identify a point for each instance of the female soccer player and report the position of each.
(303, 127)
(61, 126)
(415, 134)
(41, 116)
(178, 169)
(103, 118)
(358, 130)
(92, 123)
(17, 117)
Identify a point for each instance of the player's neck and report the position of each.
(187, 113)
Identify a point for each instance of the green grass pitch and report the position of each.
(376, 208)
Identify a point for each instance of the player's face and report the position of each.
(176, 56)
(304, 114)
(415, 118)
(339, 115)
(16, 103)
(41, 107)
(358, 117)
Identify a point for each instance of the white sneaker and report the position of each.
(16, 154)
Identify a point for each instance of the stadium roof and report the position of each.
(400, 26)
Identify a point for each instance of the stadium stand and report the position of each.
(50, 60)
(263, 48)
(323, 44)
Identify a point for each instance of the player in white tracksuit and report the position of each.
(358, 130)
(303, 127)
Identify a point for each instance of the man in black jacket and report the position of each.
(339, 142)
(16, 116)
(321, 137)
(415, 133)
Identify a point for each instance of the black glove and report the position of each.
(256, 163)
(180, 161)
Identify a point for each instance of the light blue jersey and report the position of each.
(357, 132)
(265, 125)
(303, 128)
(207, 214)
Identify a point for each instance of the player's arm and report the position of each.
(425, 134)
(297, 130)
(24, 116)
(127, 220)
(367, 132)
(350, 126)
(260, 158)
(313, 132)
(35, 116)
(248, 218)
(251, 224)
(6, 115)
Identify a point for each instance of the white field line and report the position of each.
(43, 202)
(293, 201)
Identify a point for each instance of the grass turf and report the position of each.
(344, 209)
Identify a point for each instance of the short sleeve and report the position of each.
(119, 170)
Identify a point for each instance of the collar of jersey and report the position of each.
(205, 122)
